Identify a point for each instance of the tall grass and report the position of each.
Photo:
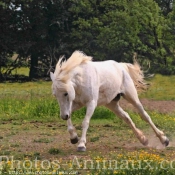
(27, 101)
(34, 101)
(21, 71)
(161, 88)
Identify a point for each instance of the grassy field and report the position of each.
(34, 139)
(21, 71)
(161, 88)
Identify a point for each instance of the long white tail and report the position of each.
(136, 74)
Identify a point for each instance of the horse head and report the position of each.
(65, 94)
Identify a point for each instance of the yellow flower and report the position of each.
(115, 172)
(9, 162)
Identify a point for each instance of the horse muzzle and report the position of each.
(65, 117)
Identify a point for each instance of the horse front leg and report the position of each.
(71, 129)
(72, 132)
(85, 125)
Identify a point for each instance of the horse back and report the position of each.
(103, 81)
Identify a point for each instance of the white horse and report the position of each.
(80, 82)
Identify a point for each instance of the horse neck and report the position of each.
(76, 78)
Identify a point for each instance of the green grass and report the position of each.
(34, 101)
(18, 71)
(43, 140)
(161, 88)
(21, 71)
(54, 151)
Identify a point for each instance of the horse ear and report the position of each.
(52, 76)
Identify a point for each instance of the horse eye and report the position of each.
(65, 94)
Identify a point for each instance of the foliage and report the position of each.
(37, 29)
(40, 31)
(165, 5)
(118, 29)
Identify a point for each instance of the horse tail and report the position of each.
(136, 74)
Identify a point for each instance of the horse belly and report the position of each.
(102, 100)
(108, 90)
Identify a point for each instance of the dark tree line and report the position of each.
(40, 31)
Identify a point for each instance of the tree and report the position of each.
(116, 29)
(8, 37)
(44, 25)
(165, 5)
(43, 30)
(38, 29)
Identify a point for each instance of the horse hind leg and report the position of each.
(132, 97)
(160, 134)
(114, 106)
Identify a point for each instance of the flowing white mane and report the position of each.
(63, 68)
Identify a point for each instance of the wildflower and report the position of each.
(9, 162)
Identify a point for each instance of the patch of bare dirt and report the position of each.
(151, 105)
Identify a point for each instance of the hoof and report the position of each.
(81, 149)
(74, 141)
(145, 143)
(166, 143)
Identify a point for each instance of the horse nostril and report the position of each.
(66, 117)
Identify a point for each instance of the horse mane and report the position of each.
(63, 68)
